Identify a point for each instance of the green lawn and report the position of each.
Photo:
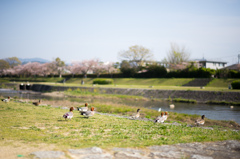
(44, 124)
(224, 83)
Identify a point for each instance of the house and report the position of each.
(235, 67)
(210, 64)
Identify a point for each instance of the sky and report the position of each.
(76, 30)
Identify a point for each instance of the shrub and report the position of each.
(235, 85)
(102, 81)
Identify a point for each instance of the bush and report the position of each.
(235, 85)
(102, 81)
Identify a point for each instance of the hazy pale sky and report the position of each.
(77, 30)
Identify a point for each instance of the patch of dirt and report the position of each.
(13, 149)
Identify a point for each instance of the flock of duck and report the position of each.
(160, 119)
(83, 111)
(88, 113)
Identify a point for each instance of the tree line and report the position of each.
(136, 62)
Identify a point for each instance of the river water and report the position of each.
(216, 112)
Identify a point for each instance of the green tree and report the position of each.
(60, 66)
(127, 69)
(156, 71)
(3, 65)
(57, 66)
(13, 61)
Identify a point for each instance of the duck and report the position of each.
(37, 103)
(160, 119)
(165, 116)
(136, 115)
(231, 107)
(69, 114)
(83, 109)
(200, 121)
(6, 100)
(172, 106)
(89, 113)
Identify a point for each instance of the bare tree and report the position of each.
(136, 54)
(177, 54)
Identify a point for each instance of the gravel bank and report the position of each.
(220, 150)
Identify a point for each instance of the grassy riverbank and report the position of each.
(33, 125)
(140, 83)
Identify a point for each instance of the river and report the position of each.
(216, 112)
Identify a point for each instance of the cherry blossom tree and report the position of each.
(45, 69)
(75, 68)
(99, 68)
(30, 69)
(9, 72)
(19, 70)
(87, 65)
(110, 68)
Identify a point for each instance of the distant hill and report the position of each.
(24, 61)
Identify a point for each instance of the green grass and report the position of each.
(31, 79)
(221, 82)
(135, 83)
(139, 81)
(82, 92)
(154, 83)
(184, 100)
(43, 124)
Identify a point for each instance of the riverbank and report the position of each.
(41, 132)
(198, 96)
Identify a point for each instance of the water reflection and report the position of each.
(217, 112)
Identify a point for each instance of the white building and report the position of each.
(211, 64)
